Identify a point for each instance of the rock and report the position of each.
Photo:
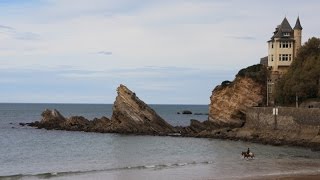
(131, 115)
(197, 126)
(76, 123)
(22, 124)
(178, 112)
(51, 119)
(197, 129)
(201, 114)
(186, 112)
(229, 103)
(100, 125)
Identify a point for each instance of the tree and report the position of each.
(302, 78)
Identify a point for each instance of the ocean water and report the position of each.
(28, 153)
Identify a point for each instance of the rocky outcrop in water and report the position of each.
(52, 119)
(130, 116)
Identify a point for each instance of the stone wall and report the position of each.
(299, 126)
(263, 118)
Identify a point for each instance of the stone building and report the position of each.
(282, 49)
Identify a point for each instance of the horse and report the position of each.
(246, 155)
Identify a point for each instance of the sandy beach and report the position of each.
(289, 177)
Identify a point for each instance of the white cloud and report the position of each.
(146, 36)
(75, 39)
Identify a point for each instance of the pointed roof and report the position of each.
(285, 26)
(282, 28)
(298, 25)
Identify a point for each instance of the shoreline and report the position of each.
(302, 176)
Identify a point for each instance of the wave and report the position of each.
(48, 175)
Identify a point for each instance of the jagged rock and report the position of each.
(230, 102)
(76, 123)
(51, 119)
(100, 125)
(131, 115)
(196, 128)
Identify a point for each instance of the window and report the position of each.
(285, 44)
(271, 57)
(272, 45)
(284, 57)
(270, 88)
(286, 34)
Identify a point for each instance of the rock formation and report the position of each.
(230, 100)
(229, 103)
(131, 115)
(52, 119)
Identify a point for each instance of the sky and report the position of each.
(167, 52)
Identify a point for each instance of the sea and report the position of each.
(30, 153)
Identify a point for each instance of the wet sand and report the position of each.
(289, 177)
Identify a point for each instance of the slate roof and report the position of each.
(284, 27)
(298, 25)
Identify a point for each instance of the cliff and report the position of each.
(230, 100)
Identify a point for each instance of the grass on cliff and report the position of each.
(303, 76)
(257, 72)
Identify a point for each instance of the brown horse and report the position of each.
(246, 155)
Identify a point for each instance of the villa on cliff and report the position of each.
(282, 50)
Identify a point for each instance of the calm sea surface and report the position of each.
(28, 153)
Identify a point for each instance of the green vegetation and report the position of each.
(256, 72)
(225, 83)
(303, 76)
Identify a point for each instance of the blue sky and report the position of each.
(168, 51)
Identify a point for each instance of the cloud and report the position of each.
(242, 37)
(104, 52)
(6, 27)
(20, 35)
(194, 44)
(27, 36)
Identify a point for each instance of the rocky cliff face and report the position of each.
(230, 101)
(133, 116)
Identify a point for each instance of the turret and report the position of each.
(297, 30)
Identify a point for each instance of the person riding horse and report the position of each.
(247, 154)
